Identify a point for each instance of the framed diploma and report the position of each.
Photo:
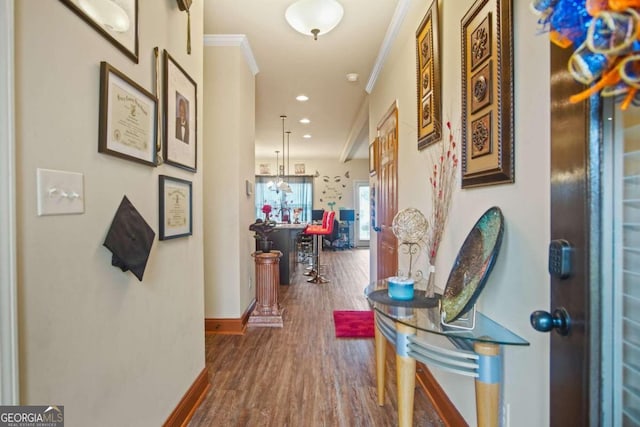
(180, 116)
(128, 117)
(176, 217)
(115, 20)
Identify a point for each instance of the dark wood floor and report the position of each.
(301, 375)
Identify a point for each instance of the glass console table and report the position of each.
(475, 352)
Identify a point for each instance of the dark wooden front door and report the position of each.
(387, 192)
(571, 220)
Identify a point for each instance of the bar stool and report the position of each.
(318, 233)
(309, 230)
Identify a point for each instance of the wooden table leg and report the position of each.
(406, 375)
(381, 346)
(488, 384)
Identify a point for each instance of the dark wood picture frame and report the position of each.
(175, 207)
(128, 117)
(373, 157)
(125, 41)
(180, 102)
(487, 94)
(428, 79)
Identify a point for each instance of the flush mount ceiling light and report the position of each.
(305, 121)
(352, 77)
(302, 98)
(106, 13)
(306, 136)
(315, 17)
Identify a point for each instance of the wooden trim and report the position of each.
(190, 401)
(444, 407)
(229, 326)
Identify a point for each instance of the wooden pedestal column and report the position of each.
(267, 311)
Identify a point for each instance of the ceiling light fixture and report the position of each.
(282, 185)
(305, 121)
(353, 77)
(306, 136)
(271, 185)
(314, 17)
(302, 98)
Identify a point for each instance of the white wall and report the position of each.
(229, 155)
(335, 180)
(518, 284)
(113, 350)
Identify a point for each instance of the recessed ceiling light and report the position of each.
(302, 98)
(306, 136)
(305, 121)
(352, 77)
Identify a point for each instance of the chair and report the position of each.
(318, 233)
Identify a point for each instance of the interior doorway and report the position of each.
(362, 224)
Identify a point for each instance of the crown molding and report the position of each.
(392, 32)
(234, 40)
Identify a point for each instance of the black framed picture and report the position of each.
(180, 116)
(176, 207)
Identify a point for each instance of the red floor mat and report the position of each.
(353, 323)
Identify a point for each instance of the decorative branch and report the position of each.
(442, 181)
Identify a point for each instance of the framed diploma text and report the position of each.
(176, 213)
(128, 117)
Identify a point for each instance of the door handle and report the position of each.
(544, 321)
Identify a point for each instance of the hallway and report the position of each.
(301, 375)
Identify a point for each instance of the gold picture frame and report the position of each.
(428, 79)
(487, 156)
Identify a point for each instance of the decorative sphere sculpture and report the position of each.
(409, 225)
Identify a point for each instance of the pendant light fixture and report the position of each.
(271, 185)
(288, 151)
(314, 17)
(282, 185)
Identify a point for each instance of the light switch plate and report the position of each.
(60, 192)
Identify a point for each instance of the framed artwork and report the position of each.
(487, 94)
(299, 168)
(176, 213)
(428, 79)
(115, 20)
(373, 157)
(180, 116)
(264, 169)
(128, 117)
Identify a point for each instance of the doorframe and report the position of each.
(356, 234)
(9, 377)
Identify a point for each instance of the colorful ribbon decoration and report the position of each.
(605, 36)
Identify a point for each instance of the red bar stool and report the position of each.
(310, 230)
(318, 233)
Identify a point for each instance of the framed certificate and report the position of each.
(128, 117)
(176, 213)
